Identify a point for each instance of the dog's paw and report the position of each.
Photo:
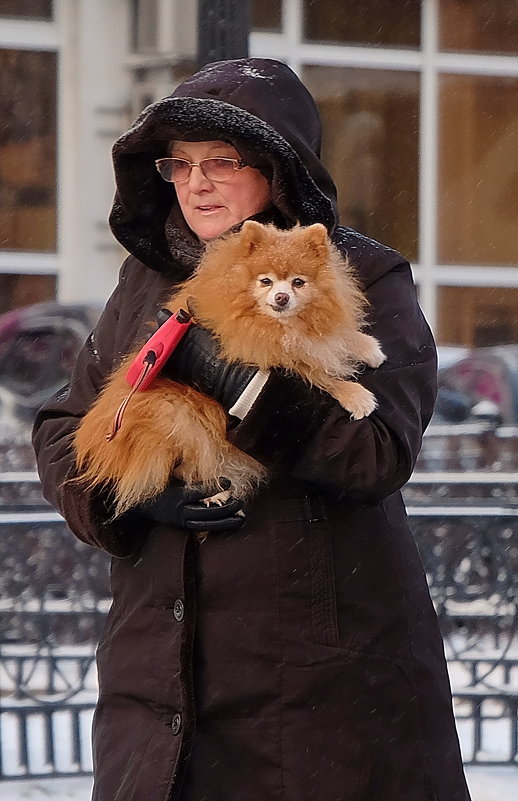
(354, 398)
(376, 355)
(218, 499)
(362, 404)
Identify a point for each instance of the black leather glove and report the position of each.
(195, 362)
(285, 414)
(184, 508)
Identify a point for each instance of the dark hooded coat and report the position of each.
(298, 659)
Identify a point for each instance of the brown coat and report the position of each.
(298, 659)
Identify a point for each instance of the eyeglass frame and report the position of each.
(238, 164)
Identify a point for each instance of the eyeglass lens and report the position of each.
(179, 170)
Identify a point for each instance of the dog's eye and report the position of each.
(298, 282)
(266, 281)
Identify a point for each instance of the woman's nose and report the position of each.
(197, 180)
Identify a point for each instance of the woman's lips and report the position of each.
(208, 209)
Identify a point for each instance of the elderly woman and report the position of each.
(295, 654)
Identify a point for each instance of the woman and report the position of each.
(297, 656)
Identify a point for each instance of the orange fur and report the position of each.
(170, 429)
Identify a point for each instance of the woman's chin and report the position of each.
(210, 228)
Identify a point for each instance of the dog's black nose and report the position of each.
(282, 299)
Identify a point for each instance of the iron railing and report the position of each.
(54, 595)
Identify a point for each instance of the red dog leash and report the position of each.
(151, 358)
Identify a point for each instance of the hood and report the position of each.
(263, 109)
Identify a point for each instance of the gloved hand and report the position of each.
(277, 421)
(180, 507)
(195, 362)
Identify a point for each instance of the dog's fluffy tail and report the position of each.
(168, 430)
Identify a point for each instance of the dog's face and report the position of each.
(285, 270)
(281, 297)
(274, 279)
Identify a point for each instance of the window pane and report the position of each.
(477, 316)
(266, 15)
(27, 150)
(22, 290)
(478, 170)
(145, 25)
(391, 23)
(484, 26)
(33, 9)
(370, 120)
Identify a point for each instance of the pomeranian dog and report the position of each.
(271, 298)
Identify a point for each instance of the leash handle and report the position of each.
(156, 351)
(150, 360)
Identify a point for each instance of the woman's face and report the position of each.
(211, 208)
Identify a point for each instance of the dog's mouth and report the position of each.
(279, 312)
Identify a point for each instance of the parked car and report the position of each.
(481, 384)
(38, 347)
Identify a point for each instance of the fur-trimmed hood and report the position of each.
(257, 104)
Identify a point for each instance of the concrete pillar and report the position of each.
(94, 92)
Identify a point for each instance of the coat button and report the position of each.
(178, 610)
(176, 723)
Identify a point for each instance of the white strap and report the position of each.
(249, 395)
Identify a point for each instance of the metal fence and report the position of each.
(54, 595)
(466, 527)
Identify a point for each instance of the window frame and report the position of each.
(430, 62)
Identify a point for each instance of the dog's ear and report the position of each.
(317, 240)
(251, 235)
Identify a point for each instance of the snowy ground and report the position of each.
(486, 784)
(45, 789)
(492, 784)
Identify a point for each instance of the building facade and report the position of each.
(419, 101)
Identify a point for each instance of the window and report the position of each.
(370, 144)
(266, 15)
(478, 170)
(477, 316)
(390, 23)
(145, 15)
(484, 26)
(27, 150)
(419, 103)
(30, 9)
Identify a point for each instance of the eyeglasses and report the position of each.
(177, 171)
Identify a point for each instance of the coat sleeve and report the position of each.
(366, 459)
(86, 512)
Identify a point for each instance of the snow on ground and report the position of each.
(44, 789)
(492, 784)
(486, 784)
